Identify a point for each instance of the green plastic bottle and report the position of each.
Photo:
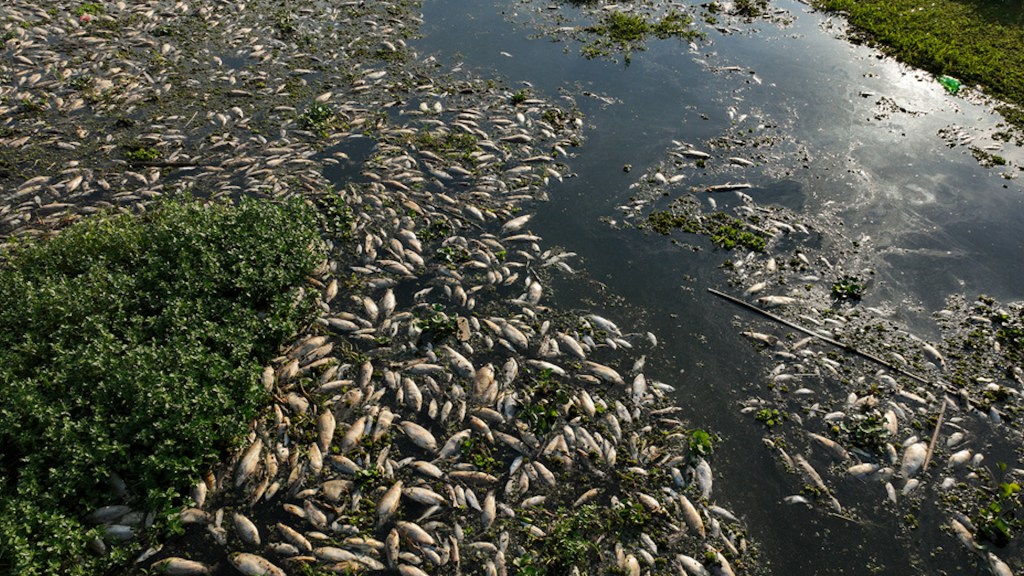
(951, 84)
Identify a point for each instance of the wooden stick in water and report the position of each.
(935, 436)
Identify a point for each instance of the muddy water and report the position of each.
(839, 130)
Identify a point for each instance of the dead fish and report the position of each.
(414, 533)
(831, 446)
(604, 373)
(766, 339)
(934, 355)
(294, 538)
(454, 444)
(107, 514)
(604, 324)
(174, 566)
(862, 470)
(253, 565)
(489, 511)
(410, 570)
(423, 495)
(247, 464)
(460, 364)
(571, 345)
(631, 566)
(798, 499)
(325, 430)
(773, 301)
(691, 517)
(704, 478)
(515, 336)
(353, 435)
(388, 504)
(419, 435)
(810, 473)
(484, 386)
(246, 530)
(515, 224)
(691, 565)
(427, 469)
(755, 288)
(913, 459)
(996, 566)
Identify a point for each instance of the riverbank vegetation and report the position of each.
(131, 349)
(979, 41)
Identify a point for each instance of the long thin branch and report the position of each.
(821, 337)
(946, 388)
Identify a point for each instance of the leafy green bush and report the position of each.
(132, 346)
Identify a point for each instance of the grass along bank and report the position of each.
(131, 349)
(977, 41)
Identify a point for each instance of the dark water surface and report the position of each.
(852, 134)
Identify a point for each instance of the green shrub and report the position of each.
(132, 345)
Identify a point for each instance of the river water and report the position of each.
(839, 130)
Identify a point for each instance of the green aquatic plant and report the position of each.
(569, 541)
(131, 348)
(627, 31)
(770, 417)
(848, 288)
(90, 8)
(625, 28)
(700, 443)
(750, 8)
(480, 454)
(140, 153)
(317, 118)
(728, 232)
(673, 24)
(435, 324)
(725, 231)
(457, 147)
(1001, 518)
(866, 430)
(542, 413)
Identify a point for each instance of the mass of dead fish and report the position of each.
(440, 397)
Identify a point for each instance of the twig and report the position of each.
(935, 436)
(810, 332)
(168, 163)
(945, 387)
